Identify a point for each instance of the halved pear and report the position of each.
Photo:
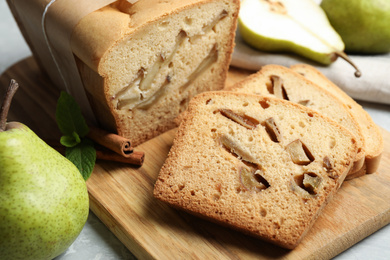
(298, 26)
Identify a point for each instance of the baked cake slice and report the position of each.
(141, 63)
(284, 83)
(258, 164)
(373, 144)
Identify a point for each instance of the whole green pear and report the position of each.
(43, 198)
(364, 25)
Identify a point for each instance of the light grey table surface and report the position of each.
(97, 242)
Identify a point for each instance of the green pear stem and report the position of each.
(344, 56)
(11, 90)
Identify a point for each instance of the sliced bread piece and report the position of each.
(258, 164)
(141, 63)
(371, 132)
(282, 82)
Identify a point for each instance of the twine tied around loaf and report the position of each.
(47, 26)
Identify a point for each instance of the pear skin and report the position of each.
(364, 25)
(43, 198)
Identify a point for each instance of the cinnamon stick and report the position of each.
(136, 157)
(114, 142)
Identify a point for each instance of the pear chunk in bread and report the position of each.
(284, 83)
(141, 63)
(261, 165)
(373, 140)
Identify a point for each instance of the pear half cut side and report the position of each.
(294, 26)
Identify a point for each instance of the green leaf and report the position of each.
(76, 137)
(69, 117)
(70, 141)
(83, 155)
(79, 150)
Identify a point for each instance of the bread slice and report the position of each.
(371, 132)
(258, 164)
(141, 63)
(286, 84)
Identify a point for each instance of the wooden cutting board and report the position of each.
(121, 196)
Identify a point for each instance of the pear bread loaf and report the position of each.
(141, 63)
(371, 132)
(284, 83)
(261, 165)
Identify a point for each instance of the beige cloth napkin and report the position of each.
(373, 85)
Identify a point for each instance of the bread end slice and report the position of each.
(142, 63)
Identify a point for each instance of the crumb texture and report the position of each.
(284, 83)
(261, 165)
(373, 140)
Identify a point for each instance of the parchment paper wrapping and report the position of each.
(47, 27)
